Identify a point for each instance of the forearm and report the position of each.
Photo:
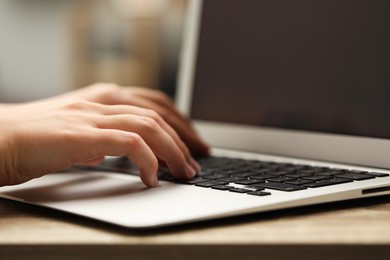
(7, 105)
(4, 152)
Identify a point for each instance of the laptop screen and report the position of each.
(312, 65)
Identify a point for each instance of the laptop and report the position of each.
(293, 98)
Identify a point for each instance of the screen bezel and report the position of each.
(354, 150)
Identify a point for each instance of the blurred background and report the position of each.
(48, 47)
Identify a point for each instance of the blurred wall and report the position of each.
(34, 49)
(48, 47)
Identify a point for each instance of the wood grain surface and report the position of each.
(356, 229)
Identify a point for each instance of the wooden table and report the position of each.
(344, 230)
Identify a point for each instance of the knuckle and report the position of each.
(77, 104)
(163, 113)
(148, 124)
(167, 115)
(157, 117)
(151, 113)
(107, 92)
(180, 159)
(105, 87)
(134, 140)
(163, 97)
(70, 134)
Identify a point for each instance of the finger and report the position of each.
(166, 127)
(185, 130)
(160, 142)
(155, 96)
(189, 136)
(112, 142)
(177, 121)
(183, 147)
(93, 162)
(126, 110)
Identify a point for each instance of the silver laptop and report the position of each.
(292, 95)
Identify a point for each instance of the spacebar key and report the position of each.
(281, 186)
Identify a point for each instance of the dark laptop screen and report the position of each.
(317, 65)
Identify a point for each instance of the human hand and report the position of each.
(112, 94)
(51, 135)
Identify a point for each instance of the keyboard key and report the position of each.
(281, 186)
(246, 174)
(192, 182)
(355, 176)
(261, 171)
(262, 177)
(228, 172)
(358, 172)
(330, 172)
(319, 168)
(209, 184)
(232, 179)
(239, 190)
(378, 174)
(221, 187)
(327, 182)
(298, 175)
(299, 182)
(308, 171)
(249, 182)
(278, 173)
(256, 187)
(214, 176)
(272, 168)
(205, 172)
(165, 176)
(317, 178)
(259, 193)
(294, 168)
(242, 169)
(281, 179)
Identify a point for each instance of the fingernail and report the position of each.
(155, 182)
(195, 165)
(190, 172)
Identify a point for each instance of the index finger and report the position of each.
(114, 142)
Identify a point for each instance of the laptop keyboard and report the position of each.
(256, 177)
